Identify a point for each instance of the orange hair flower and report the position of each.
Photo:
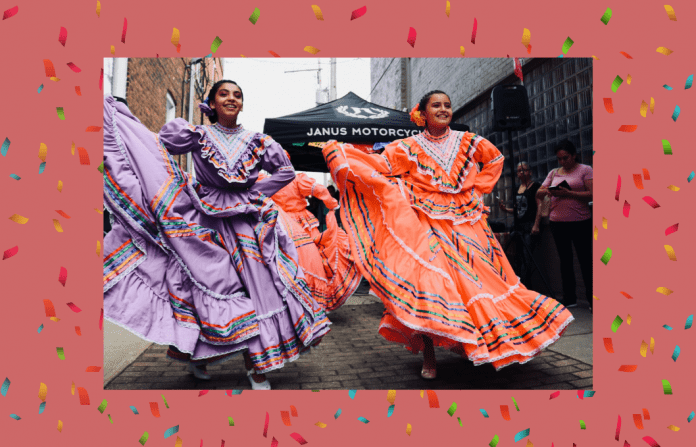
(417, 117)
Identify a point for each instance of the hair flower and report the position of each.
(417, 117)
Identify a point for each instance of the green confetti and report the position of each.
(61, 114)
(255, 16)
(582, 425)
(666, 147)
(606, 256)
(666, 387)
(452, 409)
(616, 83)
(606, 16)
(61, 353)
(460, 421)
(315, 391)
(100, 168)
(515, 402)
(102, 407)
(617, 322)
(5, 147)
(165, 401)
(143, 438)
(231, 421)
(567, 44)
(494, 441)
(216, 44)
(110, 420)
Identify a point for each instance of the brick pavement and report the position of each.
(354, 356)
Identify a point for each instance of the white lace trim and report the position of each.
(494, 299)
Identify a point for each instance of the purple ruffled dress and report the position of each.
(203, 266)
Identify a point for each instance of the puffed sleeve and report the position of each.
(395, 156)
(180, 137)
(492, 160)
(309, 187)
(275, 162)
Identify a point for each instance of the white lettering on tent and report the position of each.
(392, 133)
(357, 131)
(383, 132)
(327, 131)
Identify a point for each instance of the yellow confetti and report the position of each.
(596, 233)
(461, 51)
(643, 348)
(673, 428)
(98, 9)
(628, 319)
(670, 252)
(664, 290)
(604, 222)
(311, 49)
(665, 51)
(99, 211)
(55, 319)
(320, 425)
(43, 151)
(421, 394)
(317, 12)
(60, 186)
(72, 389)
(113, 50)
(98, 248)
(178, 442)
(670, 13)
(408, 429)
(595, 297)
(652, 345)
(60, 426)
(72, 148)
(242, 55)
(19, 219)
(391, 395)
(57, 225)
(652, 105)
(673, 188)
(526, 37)
(54, 79)
(643, 109)
(529, 443)
(43, 390)
(447, 9)
(175, 37)
(628, 79)
(595, 57)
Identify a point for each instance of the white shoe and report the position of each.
(198, 372)
(265, 385)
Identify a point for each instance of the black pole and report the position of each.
(512, 180)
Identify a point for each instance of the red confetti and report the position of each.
(77, 90)
(650, 201)
(555, 395)
(628, 368)
(608, 345)
(274, 442)
(50, 310)
(63, 35)
(651, 441)
(297, 437)
(74, 67)
(11, 252)
(473, 33)
(609, 105)
(618, 189)
(203, 393)
(265, 426)
(62, 213)
(505, 412)
(668, 231)
(628, 56)
(84, 397)
(154, 408)
(638, 421)
(274, 54)
(63, 276)
(626, 444)
(178, 50)
(293, 411)
(74, 308)
(626, 208)
(646, 415)
(84, 156)
(618, 428)
(638, 180)
(646, 174)
(10, 12)
(49, 69)
(93, 129)
(358, 13)
(101, 320)
(529, 49)
(626, 128)
(101, 79)
(93, 369)
(432, 399)
(411, 39)
(125, 27)
(627, 295)
(581, 394)
(78, 331)
(286, 418)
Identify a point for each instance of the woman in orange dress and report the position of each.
(419, 233)
(325, 258)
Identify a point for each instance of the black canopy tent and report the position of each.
(349, 119)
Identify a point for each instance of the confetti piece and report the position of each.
(230, 421)
(473, 33)
(62, 278)
(72, 389)
(317, 12)
(670, 13)
(60, 186)
(638, 421)
(616, 83)
(616, 323)
(79, 333)
(432, 399)
(628, 128)
(293, 411)
(48, 307)
(203, 393)
(102, 407)
(408, 429)
(675, 114)
(526, 37)
(421, 394)
(483, 412)
(100, 168)
(606, 16)
(643, 349)
(61, 114)
(505, 412)
(125, 28)
(40, 88)
(628, 368)
(338, 413)
(255, 16)
(11, 252)
(40, 329)
(42, 167)
(494, 441)
(596, 233)
(285, 416)
(652, 345)
(627, 295)
(84, 397)
(609, 105)
(60, 426)
(606, 256)
(691, 417)
(628, 56)
(675, 354)
(5, 147)
(42, 407)
(351, 393)
(43, 390)
(646, 414)
(390, 411)
(101, 324)
(320, 425)
(529, 49)
(143, 439)
(6, 15)
(666, 387)
(358, 13)
(113, 51)
(666, 147)
(664, 290)
(670, 253)
(62, 213)
(216, 44)
(522, 434)
(557, 393)
(650, 201)
(643, 109)
(54, 79)
(462, 51)
(451, 409)
(61, 353)
(667, 87)
(74, 67)
(689, 82)
(84, 156)
(49, 69)
(460, 421)
(567, 44)
(14, 416)
(134, 410)
(638, 180)
(274, 53)
(19, 219)
(5, 387)
(673, 427)
(411, 39)
(175, 37)
(665, 51)
(297, 437)
(689, 322)
(651, 441)
(363, 420)
(582, 425)
(311, 49)
(673, 188)
(154, 408)
(652, 105)
(629, 78)
(608, 345)
(691, 176)
(171, 431)
(628, 319)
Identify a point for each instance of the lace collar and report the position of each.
(443, 150)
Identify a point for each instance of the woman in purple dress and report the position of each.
(203, 265)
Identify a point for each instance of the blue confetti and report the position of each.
(675, 115)
(135, 411)
(363, 420)
(689, 322)
(5, 387)
(669, 328)
(560, 55)
(338, 413)
(675, 354)
(42, 166)
(40, 329)
(42, 407)
(691, 416)
(351, 393)
(689, 81)
(390, 411)
(237, 392)
(483, 412)
(41, 88)
(171, 431)
(522, 434)
(667, 87)
(15, 176)
(15, 417)
(691, 176)
(589, 393)
(5, 147)
(210, 55)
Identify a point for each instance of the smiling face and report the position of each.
(228, 103)
(438, 111)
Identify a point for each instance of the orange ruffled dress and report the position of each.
(419, 233)
(325, 258)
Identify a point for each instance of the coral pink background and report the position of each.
(638, 267)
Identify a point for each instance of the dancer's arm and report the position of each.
(310, 187)
(179, 137)
(492, 160)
